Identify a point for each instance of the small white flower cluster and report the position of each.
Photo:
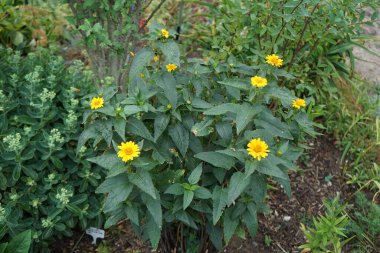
(30, 182)
(55, 138)
(2, 98)
(47, 95)
(14, 196)
(51, 176)
(14, 79)
(34, 77)
(13, 141)
(74, 102)
(51, 79)
(35, 203)
(63, 196)
(46, 223)
(2, 214)
(27, 130)
(71, 119)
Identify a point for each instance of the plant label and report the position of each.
(95, 233)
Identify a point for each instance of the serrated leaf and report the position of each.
(169, 86)
(229, 225)
(195, 175)
(107, 160)
(245, 115)
(137, 127)
(175, 189)
(20, 243)
(275, 127)
(219, 198)
(154, 208)
(241, 85)
(216, 159)
(132, 109)
(141, 59)
(180, 137)
(237, 185)
(269, 168)
(87, 134)
(143, 180)
(202, 128)
(222, 109)
(171, 51)
(160, 124)
(105, 129)
(187, 198)
(119, 125)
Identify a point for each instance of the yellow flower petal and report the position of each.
(171, 67)
(257, 149)
(274, 60)
(259, 82)
(97, 103)
(298, 103)
(165, 33)
(128, 151)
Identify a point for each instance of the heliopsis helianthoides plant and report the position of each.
(194, 148)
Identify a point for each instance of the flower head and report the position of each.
(156, 58)
(165, 33)
(97, 103)
(171, 67)
(298, 103)
(257, 149)
(128, 151)
(274, 60)
(258, 81)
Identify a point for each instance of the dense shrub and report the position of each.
(45, 185)
(175, 144)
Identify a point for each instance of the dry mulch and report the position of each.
(320, 177)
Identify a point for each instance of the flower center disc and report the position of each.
(128, 151)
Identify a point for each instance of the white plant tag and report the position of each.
(95, 233)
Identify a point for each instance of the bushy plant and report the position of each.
(175, 144)
(45, 185)
(328, 233)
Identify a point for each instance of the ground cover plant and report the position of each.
(46, 186)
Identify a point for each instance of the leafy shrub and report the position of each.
(46, 186)
(23, 27)
(175, 144)
(328, 230)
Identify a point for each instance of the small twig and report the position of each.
(152, 14)
(77, 243)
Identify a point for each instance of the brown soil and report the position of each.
(320, 177)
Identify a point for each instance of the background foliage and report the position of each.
(45, 185)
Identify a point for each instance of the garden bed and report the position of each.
(320, 177)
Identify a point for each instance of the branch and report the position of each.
(152, 14)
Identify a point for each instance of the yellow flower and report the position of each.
(97, 103)
(128, 151)
(274, 60)
(165, 33)
(171, 67)
(258, 149)
(298, 103)
(258, 81)
(142, 75)
(156, 58)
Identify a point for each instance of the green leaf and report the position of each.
(143, 180)
(267, 167)
(180, 137)
(132, 109)
(250, 219)
(160, 124)
(154, 208)
(222, 109)
(224, 129)
(89, 133)
(202, 193)
(119, 125)
(107, 160)
(238, 154)
(20, 243)
(216, 159)
(245, 115)
(137, 127)
(202, 128)
(171, 51)
(238, 184)
(195, 175)
(175, 189)
(153, 232)
(219, 198)
(169, 85)
(107, 110)
(200, 104)
(187, 198)
(117, 195)
(275, 127)
(141, 59)
(215, 233)
(241, 85)
(229, 225)
(105, 128)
